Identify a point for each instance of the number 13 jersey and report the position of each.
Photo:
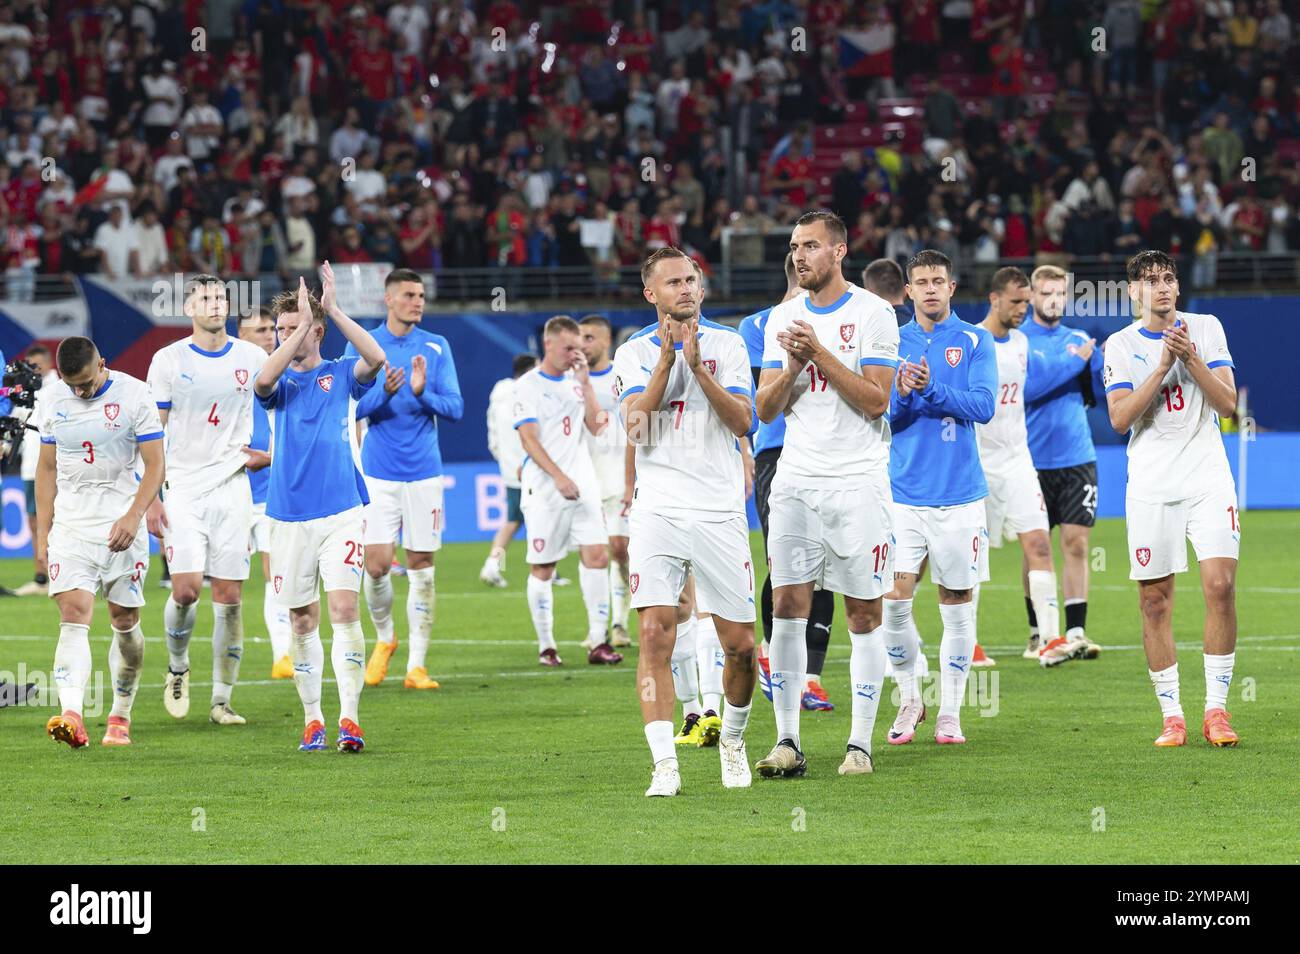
(1175, 450)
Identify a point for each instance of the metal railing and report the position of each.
(512, 289)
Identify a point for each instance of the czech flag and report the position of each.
(868, 52)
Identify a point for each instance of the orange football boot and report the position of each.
(1218, 732)
(377, 667)
(1175, 732)
(68, 728)
(119, 731)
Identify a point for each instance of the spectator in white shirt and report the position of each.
(202, 126)
(367, 183)
(163, 103)
(166, 170)
(408, 22)
(348, 141)
(298, 126)
(149, 257)
(115, 238)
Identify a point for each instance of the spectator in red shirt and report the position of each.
(1008, 84)
(636, 42)
(1249, 225)
(793, 178)
(373, 68)
(349, 250)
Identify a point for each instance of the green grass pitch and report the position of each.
(512, 763)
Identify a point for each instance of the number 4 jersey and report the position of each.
(208, 396)
(1175, 450)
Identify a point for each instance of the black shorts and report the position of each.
(1070, 494)
(514, 513)
(764, 470)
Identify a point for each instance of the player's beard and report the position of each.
(813, 281)
(683, 312)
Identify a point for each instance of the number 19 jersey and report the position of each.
(826, 438)
(208, 396)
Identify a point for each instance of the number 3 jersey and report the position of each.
(1175, 450)
(691, 462)
(555, 404)
(208, 396)
(827, 439)
(96, 445)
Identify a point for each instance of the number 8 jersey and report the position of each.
(1175, 449)
(555, 405)
(208, 396)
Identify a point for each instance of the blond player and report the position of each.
(685, 396)
(829, 357)
(203, 385)
(1169, 376)
(612, 458)
(1015, 508)
(95, 427)
(555, 407)
(316, 498)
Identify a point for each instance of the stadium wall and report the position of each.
(475, 495)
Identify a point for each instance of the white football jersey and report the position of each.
(555, 404)
(826, 438)
(209, 400)
(96, 444)
(1175, 449)
(609, 446)
(1005, 436)
(692, 461)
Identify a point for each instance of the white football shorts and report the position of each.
(307, 553)
(411, 509)
(76, 564)
(553, 525)
(841, 540)
(1158, 532)
(1015, 503)
(954, 538)
(209, 532)
(713, 547)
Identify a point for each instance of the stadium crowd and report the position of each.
(245, 137)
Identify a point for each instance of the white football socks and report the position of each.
(867, 672)
(348, 654)
(540, 606)
(901, 645)
(955, 652)
(710, 660)
(1042, 594)
(72, 665)
(686, 682)
(227, 649)
(125, 660)
(1218, 680)
(179, 622)
(276, 617)
(734, 721)
(788, 657)
(659, 735)
(1165, 683)
(379, 600)
(620, 597)
(595, 594)
(419, 615)
(308, 668)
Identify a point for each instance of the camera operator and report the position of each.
(39, 357)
